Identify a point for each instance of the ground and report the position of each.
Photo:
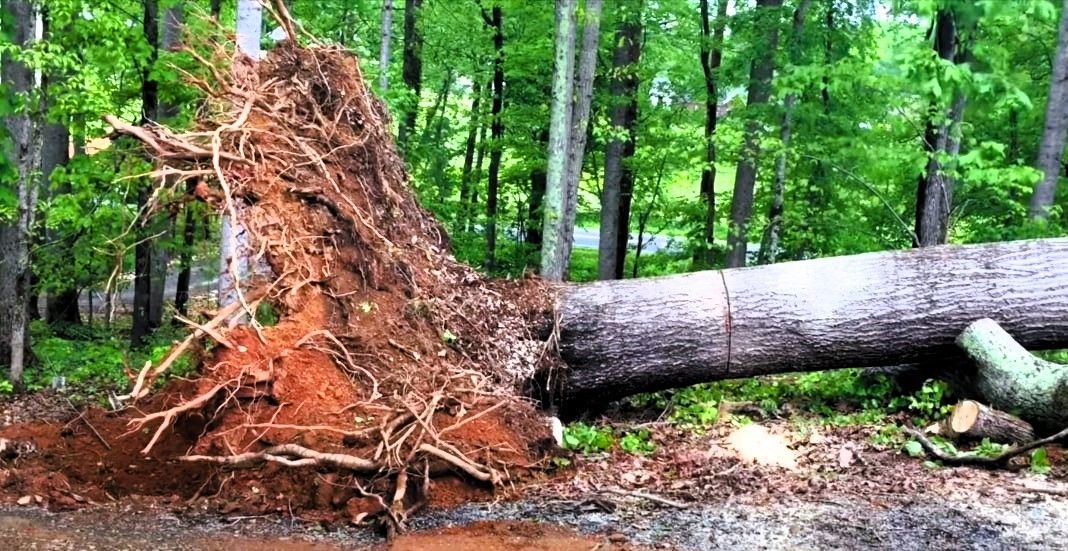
(774, 484)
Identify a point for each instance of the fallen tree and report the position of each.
(624, 337)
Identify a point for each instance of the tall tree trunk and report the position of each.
(476, 179)
(496, 21)
(536, 200)
(818, 195)
(61, 306)
(234, 247)
(618, 174)
(181, 292)
(142, 300)
(771, 245)
(173, 23)
(581, 129)
(552, 260)
(760, 73)
(216, 9)
(934, 191)
(711, 59)
(625, 337)
(384, 47)
(475, 124)
(1051, 151)
(15, 238)
(411, 71)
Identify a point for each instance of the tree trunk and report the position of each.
(618, 174)
(249, 27)
(142, 301)
(761, 71)
(1010, 378)
(772, 243)
(934, 192)
(1051, 151)
(61, 305)
(624, 337)
(181, 292)
(411, 71)
(216, 9)
(469, 151)
(580, 126)
(383, 49)
(974, 421)
(496, 21)
(15, 238)
(711, 59)
(554, 206)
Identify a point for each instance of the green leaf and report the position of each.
(914, 448)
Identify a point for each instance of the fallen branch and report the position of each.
(997, 461)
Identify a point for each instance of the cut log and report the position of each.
(972, 420)
(1010, 378)
(624, 337)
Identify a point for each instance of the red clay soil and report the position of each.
(505, 536)
(389, 353)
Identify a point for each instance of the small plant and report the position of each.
(588, 439)
(929, 402)
(638, 442)
(6, 388)
(1040, 463)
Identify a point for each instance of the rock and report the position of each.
(25, 500)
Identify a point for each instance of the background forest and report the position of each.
(719, 133)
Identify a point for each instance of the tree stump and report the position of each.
(972, 420)
(1010, 378)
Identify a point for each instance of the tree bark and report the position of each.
(61, 305)
(142, 301)
(972, 420)
(554, 206)
(1051, 150)
(181, 292)
(411, 71)
(580, 126)
(771, 245)
(624, 337)
(216, 9)
(760, 74)
(15, 238)
(618, 174)
(475, 125)
(934, 192)
(496, 22)
(384, 45)
(249, 27)
(1010, 378)
(711, 60)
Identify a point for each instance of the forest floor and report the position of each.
(775, 484)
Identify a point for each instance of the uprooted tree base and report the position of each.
(392, 365)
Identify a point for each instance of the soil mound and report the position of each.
(391, 365)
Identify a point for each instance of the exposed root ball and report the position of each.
(391, 361)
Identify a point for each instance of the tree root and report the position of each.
(291, 455)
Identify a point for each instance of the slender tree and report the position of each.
(771, 243)
(471, 145)
(760, 73)
(1051, 151)
(623, 118)
(496, 22)
(711, 59)
(580, 125)
(412, 70)
(934, 191)
(552, 259)
(216, 9)
(384, 46)
(142, 300)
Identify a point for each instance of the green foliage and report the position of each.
(587, 438)
(1040, 463)
(637, 442)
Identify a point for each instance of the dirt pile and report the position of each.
(391, 366)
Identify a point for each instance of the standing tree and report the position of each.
(495, 20)
(711, 59)
(142, 300)
(384, 47)
(15, 238)
(618, 174)
(771, 243)
(1051, 151)
(760, 73)
(552, 252)
(411, 71)
(934, 192)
